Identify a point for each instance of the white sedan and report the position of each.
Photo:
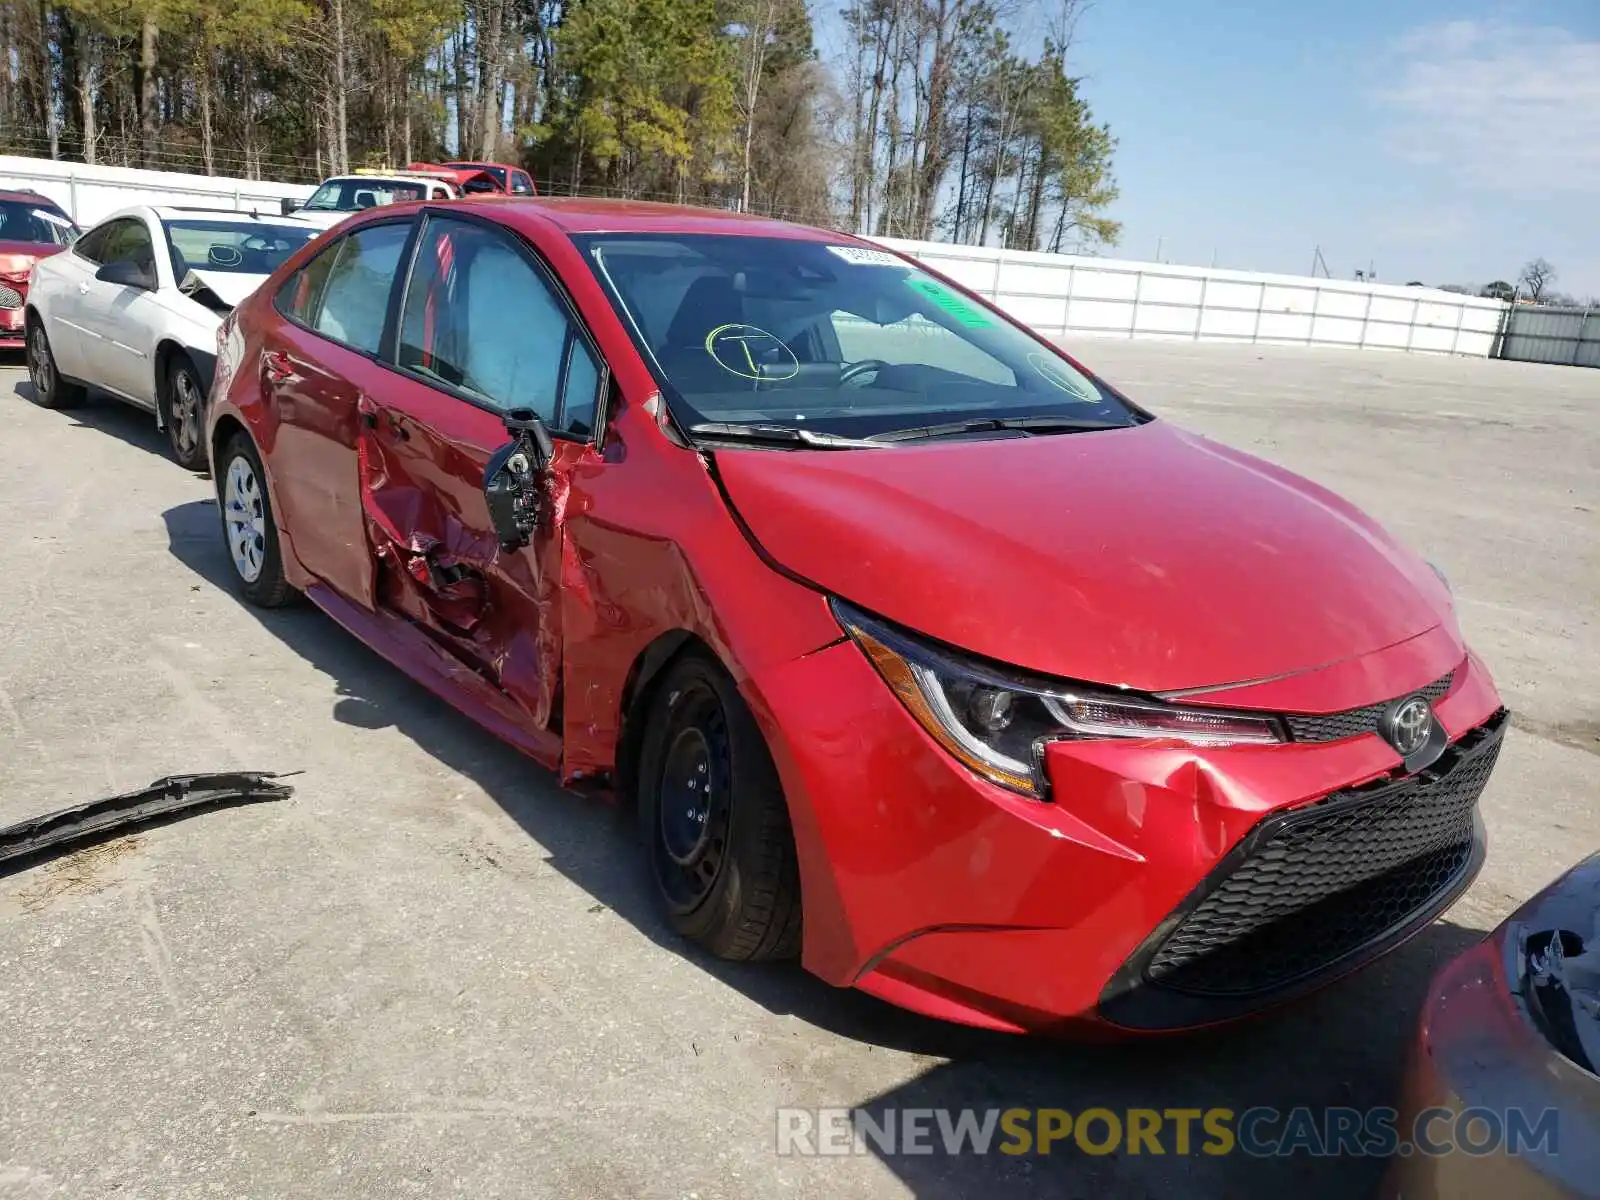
(134, 306)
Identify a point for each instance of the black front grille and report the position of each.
(1310, 887)
(1331, 727)
(10, 298)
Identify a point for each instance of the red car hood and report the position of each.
(1147, 557)
(18, 257)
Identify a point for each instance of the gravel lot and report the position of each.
(435, 973)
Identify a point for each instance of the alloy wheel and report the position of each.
(41, 368)
(185, 414)
(245, 517)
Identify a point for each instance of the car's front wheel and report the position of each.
(248, 526)
(714, 820)
(183, 413)
(49, 389)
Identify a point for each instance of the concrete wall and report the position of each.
(1067, 294)
(91, 193)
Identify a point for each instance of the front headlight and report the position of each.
(997, 722)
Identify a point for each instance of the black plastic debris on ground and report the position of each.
(162, 800)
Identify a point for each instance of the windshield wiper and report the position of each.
(780, 435)
(984, 424)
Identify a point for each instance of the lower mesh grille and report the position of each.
(10, 298)
(1314, 885)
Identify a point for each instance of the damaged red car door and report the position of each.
(314, 368)
(480, 332)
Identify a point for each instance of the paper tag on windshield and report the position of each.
(44, 214)
(862, 257)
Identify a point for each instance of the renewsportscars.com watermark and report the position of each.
(1259, 1132)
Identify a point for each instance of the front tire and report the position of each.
(714, 821)
(183, 413)
(49, 389)
(248, 528)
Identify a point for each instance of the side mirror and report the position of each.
(289, 205)
(126, 274)
(513, 477)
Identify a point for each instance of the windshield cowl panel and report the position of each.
(839, 341)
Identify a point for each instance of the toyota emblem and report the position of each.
(1409, 726)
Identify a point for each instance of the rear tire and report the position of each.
(249, 531)
(714, 821)
(49, 389)
(183, 401)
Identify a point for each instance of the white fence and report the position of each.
(90, 193)
(1569, 337)
(1066, 294)
(1056, 294)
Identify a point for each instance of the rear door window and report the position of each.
(481, 316)
(355, 298)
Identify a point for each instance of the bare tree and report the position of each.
(1536, 277)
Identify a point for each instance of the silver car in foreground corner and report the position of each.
(134, 306)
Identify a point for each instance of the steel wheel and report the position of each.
(245, 519)
(693, 792)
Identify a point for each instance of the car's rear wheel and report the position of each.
(49, 389)
(715, 825)
(183, 413)
(248, 527)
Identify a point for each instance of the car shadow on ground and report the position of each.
(1344, 1047)
(100, 413)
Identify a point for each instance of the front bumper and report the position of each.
(12, 331)
(937, 891)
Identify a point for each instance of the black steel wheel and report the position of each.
(714, 820)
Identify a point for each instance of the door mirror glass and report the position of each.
(288, 205)
(126, 274)
(514, 476)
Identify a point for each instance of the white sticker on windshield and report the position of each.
(45, 214)
(862, 257)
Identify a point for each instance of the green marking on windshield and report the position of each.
(956, 305)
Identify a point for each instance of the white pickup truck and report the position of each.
(338, 197)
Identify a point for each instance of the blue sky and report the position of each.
(1441, 140)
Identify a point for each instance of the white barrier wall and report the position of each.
(90, 193)
(1056, 294)
(1066, 294)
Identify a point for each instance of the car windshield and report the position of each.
(832, 340)
(24, 222)
(351, 195)
(234, 247)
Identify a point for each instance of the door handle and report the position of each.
(278, 366)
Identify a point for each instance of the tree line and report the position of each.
(929, 123)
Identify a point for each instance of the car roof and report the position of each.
(577, 214)
(26, 196)
(178, 212)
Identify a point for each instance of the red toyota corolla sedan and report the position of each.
(924, 653)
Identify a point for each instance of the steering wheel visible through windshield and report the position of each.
(786, 335)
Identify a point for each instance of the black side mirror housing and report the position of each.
(513, 478)
(289, 205)
(127, 274)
